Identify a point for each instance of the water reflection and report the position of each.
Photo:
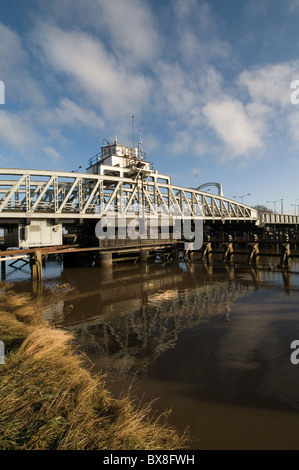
(212, 341)
(126, 318)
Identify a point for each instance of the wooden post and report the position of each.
(36, 265)
(3, 270)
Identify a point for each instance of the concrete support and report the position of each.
(207, 251)
(189, 255)
(144, 255)
(228, 254)
(285, 253)
(254, 252)
(106, 259)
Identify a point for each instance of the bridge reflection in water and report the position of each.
(126, 317)
(212, 344)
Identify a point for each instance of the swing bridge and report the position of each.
(38, 208)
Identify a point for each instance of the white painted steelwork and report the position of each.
(44, 194)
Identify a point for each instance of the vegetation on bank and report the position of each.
(50, 401)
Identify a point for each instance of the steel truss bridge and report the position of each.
(39, 194)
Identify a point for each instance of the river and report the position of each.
(210, 342)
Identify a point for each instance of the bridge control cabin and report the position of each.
(112, 156)
(126, 162)
(37, 233)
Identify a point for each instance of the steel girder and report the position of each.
(61, 195)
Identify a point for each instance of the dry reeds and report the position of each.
(48, 400)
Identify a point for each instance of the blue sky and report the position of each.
(209, 84)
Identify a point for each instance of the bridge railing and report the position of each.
(273, 219)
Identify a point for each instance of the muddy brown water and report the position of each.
(211, 343)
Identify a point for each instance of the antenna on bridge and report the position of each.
(133, 150)
(139, 146)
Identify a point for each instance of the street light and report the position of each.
(76, 171)
(295, 205)
(243, 196)
(274, 202)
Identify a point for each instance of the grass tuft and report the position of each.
(50, 401)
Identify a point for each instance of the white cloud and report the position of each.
(97, 73)
(127, 26)
(131, 26)
(228, 118)
(198, 34)
(293, 5)
(293, 126)
(68, 113)
(15, 132)
(19, 84)
(271, 84)
(121, 67)
(177, 90)
(52, 154)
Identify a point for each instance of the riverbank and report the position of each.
(49, 400)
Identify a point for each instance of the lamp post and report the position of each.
(295, 205)
(76, 171)
(241, 197)
(274, 202)
(295, 208)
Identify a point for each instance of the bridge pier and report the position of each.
(285, 253)
(188, 255)
(254, 252)
(207, 251)
(144, 255)
(228, 254)
(105, 259)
